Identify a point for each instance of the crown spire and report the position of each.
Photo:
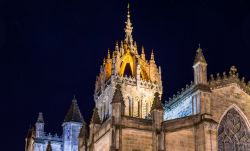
(128, 29)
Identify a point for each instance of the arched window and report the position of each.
(128, 70)
(233, 134)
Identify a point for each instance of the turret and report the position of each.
(200, 68)
(71, 127)
(40, 126)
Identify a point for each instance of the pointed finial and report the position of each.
(40, 118)
(152, 55)
(199, 55)
(116, 46)
(108, 53)
(128, 29)
(74, 98)
(104, 61)
(142, 50)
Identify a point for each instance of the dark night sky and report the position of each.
(52, 49)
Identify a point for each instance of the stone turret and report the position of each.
(200, 68)
(40, 125)
(71, 127)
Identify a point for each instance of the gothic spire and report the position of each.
(128, 29)
(40, 118)
(74, 113)
(199, 56)
(95, 117)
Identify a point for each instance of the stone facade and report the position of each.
(207, 115)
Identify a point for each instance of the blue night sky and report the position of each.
(53, 49)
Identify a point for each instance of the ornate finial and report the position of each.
(152, 55)
(142, 50)
(104, 61)
(233, 71)
(74, 99)
(128, 29)
(40, 118)
(199, 56)
(116, 46)
(108, 53)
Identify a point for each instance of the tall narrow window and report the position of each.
(139, 108)
(130, 106)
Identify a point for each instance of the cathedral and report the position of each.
(209, 114)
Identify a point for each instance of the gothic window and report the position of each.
(233, 134)
(127, 70)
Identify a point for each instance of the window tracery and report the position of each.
(233, 134)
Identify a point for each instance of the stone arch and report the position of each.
(127, 60)
(233, 131)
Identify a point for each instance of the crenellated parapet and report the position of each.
(225, 79)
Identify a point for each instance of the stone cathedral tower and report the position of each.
(210, 114)
(139, 78)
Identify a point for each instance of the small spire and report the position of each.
(40, 118)
(152, 55)
(116, 46)
(142, 50)
(108, 53)
(104, 61)
(74, 98)
(199, 56)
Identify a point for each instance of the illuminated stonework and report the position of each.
(207, 115)
(139, 78)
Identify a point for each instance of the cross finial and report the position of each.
(199, 45)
